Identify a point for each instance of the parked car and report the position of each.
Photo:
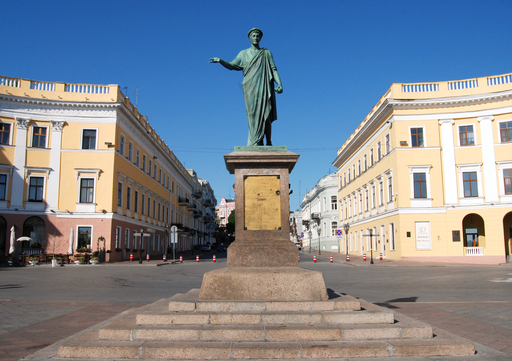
(206, 248)
(221, 248)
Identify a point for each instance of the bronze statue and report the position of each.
(260, 73)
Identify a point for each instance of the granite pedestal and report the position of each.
(262, 263)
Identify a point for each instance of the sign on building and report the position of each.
(423, 238)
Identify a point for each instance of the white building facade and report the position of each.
(320, 215)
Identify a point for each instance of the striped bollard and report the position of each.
(380, 256)
(165, 258)
(348, 258)
(364, 257)
(214, 259)
(181, 259)
(314, 258)
(299, 258)
(147, 257)
(331, 260)
(197, 258)
(131, 257)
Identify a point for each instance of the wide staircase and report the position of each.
(183, 328)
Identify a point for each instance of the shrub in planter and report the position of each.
(127, 250)
(79, 259)
(135, 250)
(34, 258)
(118, 249)
(96, 254)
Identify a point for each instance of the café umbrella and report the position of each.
(13, 240)
(71, 241)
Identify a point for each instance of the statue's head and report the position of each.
(253, 30)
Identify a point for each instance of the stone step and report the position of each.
(267, 318)
(341, 303)
(265, 333)
(89, 347)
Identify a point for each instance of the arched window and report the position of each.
(34, 228)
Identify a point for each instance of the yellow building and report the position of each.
(429, 173)
(79, 162)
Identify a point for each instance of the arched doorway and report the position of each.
(34, 228)
(507, 231)
(474, 234)
(3, 236)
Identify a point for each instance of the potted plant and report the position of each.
(33, 260)
(57, 259)
(94, 260)
(9, 259)
(78, 260)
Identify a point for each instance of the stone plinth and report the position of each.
(262, 263)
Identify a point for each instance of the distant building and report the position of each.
(320, 215)
(79, 164)
(224, 209)
(429, 173)
(296, 227)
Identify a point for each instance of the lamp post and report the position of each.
(371, 246)
(346, 227)
(319, 231)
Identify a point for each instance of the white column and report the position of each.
(449, 169)
(52, 199)
(20, 156)
(490, 179)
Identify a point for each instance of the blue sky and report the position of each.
(335, 58)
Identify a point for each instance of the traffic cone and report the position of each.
(197, 258)
(331, 260)
(364, 257)
(348, 258)
(314, 258)
(214, 260)
(131, 257)
(181, 259)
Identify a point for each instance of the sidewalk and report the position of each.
(357, 260)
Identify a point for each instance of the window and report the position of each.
(371, 157)
(470, 184)
(334, 203)
(367, 200)
(374, 203)
(39, 137)
(150, 166)
(127, 238)
(142, 203)
(86, 190)
(5, 133)
(89, 139)
(159, 213)
(149, 207)
(466, 135)
(121, 145)
(365, 163)
(334, 226)
(420, 185)
(144, 163)
(136, 201)
(379, 152)
(118, 237)
(381, 192)
(506, 131)
(507, 180)
(119, 194)
(359, 167)
(84, 238)
(35, 189)
(130, 152)
(3, 186)
(360, 202)
(154, 209)
(128, 198)
(154, 172)
(417, 137)
(388, 144)
(390, 189)
(160, 175)
(137, 157)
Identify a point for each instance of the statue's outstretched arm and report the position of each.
(277, 79)
(225, 64)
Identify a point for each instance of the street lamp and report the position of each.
(371, 245)
(319, 231)
(346, 227)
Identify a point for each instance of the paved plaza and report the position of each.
(41, 305)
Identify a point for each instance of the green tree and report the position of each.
(230, 226)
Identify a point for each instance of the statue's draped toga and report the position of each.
(259, 94)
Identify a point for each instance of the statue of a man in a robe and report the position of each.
(260, 73)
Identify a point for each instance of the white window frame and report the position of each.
(43, 199)
(126, 238)
(122, 142)
(505, 198)
(86, 173)
(118, 237)
(10, 133)
(33, 126)
(130, 151)
(498, 125)
(78, 226)
(466, 168)
(387, 143)
(474, 135)
(137, 157)
(420, 202)
(82, 138)
(424, 136)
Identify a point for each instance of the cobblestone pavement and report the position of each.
(84, 297)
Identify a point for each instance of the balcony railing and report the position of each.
(474, 251)
(182, 201)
